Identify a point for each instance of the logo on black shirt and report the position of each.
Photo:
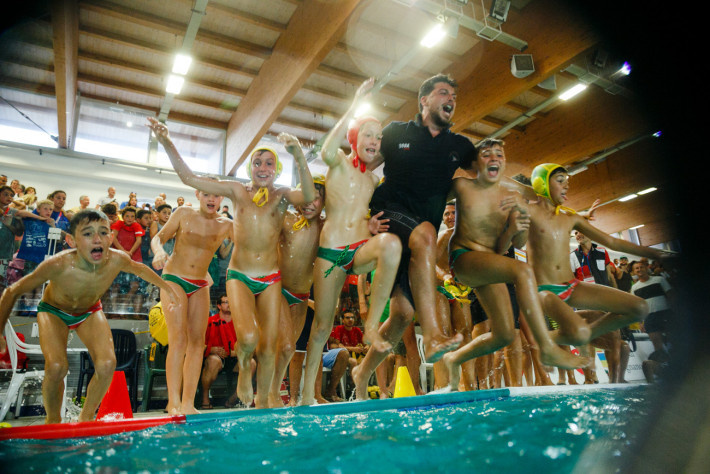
(454, 156)
(404, 146)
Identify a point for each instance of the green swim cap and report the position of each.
(540, 178)
(279, 166)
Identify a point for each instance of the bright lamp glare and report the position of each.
(174, 84)
(636, 227)
(628, 198)
(362, 109)
(625, 69)
(435, 35)
(573, 91)
(646, 191)
(181, 64)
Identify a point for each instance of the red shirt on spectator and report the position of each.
(127, 237)
(220, 333)
(347, 338)
(5, 356)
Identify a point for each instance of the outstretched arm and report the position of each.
(144, 272)
(44, 271)
(206, 185)
(307, 193)
(596, 235)
(331, 147)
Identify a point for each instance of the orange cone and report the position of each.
(116, 403)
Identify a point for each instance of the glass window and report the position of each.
(28, 118)
(114, 131)
(200, 147)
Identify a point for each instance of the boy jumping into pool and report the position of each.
(77, 279)
(253, 277)
(551, 224)
(346, 244)
(489, 220)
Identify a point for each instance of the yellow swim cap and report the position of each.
(279, 166)
(540, 178)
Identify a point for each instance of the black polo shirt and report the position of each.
(418, 169)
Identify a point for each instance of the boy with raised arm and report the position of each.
(489, 219)
(346, 244)
(253, 278)
(77, 279)
(551, 224)
(298, 246)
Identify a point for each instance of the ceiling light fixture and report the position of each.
(572, 91)
(628, 198)
(636, 227)
(646, 191)
(434, 36)
(175, 84)
(181, 64)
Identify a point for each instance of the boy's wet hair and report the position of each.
(129, 209)
(489, 143)
(88, 216)
(428, 86)
(163, 206)
(143, 212)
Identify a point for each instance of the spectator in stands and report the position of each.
(111, 197)
(349, 336)
(220, 351)
(657, 292)
(10, 226)
(59, 198)
(131, 196)
(83, 204)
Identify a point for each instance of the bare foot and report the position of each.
(376, 342)
(245, 391)
(189, 410)
(321, 401)
(306, 402)
(360, 383)
(173, 410)
(563, 359)
(435, 348)
(275, 401)
(454, 372)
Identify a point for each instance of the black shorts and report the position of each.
(658, 321)
(478, 315)
(401, 223)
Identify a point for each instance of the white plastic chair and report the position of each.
(425, 368)
(16, 389)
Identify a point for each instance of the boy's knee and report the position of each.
(105, 366)
(505, 337)
(640, 310)
(580, 335)
(422, 237)
(56, 369)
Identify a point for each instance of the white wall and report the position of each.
(78, 174)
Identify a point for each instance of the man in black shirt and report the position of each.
(420, 158)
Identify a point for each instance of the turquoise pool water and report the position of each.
(531, 433)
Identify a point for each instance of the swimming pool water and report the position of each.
(532, 433)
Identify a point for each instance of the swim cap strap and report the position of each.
(301, 223)
(358, 162)
(566, 210)
(262, 193)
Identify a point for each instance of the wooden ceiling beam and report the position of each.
(313, 30)
(550, 47)
(65, 40)
(567, 136)
(177, 28)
